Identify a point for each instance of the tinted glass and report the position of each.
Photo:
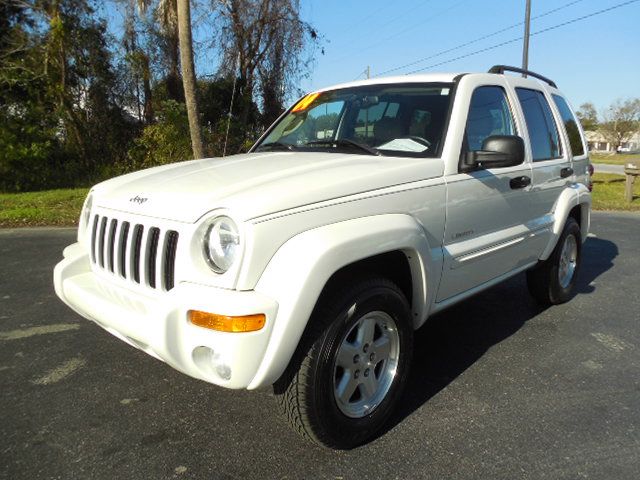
(571, 125)
(389, 119)
(543, 133)
(489, 114)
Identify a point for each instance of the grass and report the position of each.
(62, 207)
(52, 207)
(608, 193)
(613, 158)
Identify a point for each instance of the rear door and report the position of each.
(574, 138)
(551, 159)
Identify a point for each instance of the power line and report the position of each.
(544, 30)
(404, 30)
(476, 40)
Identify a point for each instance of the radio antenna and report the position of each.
(233, 96)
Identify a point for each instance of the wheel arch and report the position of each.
(369, 244)
(575, 202)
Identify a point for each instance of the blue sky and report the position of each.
(596, 59)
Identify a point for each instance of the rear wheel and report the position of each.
(551, 281)
(341, 389)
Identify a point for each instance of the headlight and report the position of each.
(221, 244)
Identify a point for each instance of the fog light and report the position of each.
(211, 362)
(223, 323)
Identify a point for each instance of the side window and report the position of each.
(543, 133)
(571, 125)
(489, 114)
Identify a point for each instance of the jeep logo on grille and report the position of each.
(138, 200)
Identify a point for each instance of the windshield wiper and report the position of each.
(277, 146)
(346, 142)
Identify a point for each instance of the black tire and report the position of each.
(306, 391)
(544, 280)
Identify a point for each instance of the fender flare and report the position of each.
(295, 278)
(576, 194)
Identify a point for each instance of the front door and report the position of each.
(487, 230)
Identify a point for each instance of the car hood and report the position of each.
(256, 184)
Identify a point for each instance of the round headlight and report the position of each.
(221, 244)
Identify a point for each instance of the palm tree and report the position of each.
(172, 15)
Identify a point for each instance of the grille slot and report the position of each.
(134, 252)
(137, 245)
(94, 230)
(122, 250)
(170, 259)
(152, 249)
(112, 243)
(103, 228)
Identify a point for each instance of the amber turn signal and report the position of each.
(223, 323)
(305, 102)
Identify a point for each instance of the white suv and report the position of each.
(307, 263)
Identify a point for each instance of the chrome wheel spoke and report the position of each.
(369, 386)
(568, 261)
(346, 387)
(382, 348)
(366, 331)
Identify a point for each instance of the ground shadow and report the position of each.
(456, 338)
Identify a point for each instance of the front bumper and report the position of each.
(156, 322)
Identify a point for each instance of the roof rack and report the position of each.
(506, 68)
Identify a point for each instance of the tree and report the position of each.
(60, 114)
(175, 15)
(620, 121)
(189, 76)
(268, 40)
(588, 116)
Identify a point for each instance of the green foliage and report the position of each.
(60, 116)
(30, 154)
(608, 193)
(75, 109)
(588, 116)
(165, 141)
(54, 207)
(620, 121)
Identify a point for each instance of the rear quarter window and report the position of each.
(570, 125)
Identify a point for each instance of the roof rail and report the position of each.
(506, 68)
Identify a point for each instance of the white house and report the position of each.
(597, 142)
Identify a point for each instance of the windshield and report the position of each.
(393, 119)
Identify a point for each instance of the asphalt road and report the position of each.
(606, 168)
(499, 388)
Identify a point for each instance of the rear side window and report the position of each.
(489, 115)
(571, 125)
(543, 133)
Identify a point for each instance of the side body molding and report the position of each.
(300, 269)
(576, 194)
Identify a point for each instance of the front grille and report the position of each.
(144, 255)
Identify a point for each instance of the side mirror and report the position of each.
(497, 151)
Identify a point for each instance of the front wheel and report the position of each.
(345, 383)
(551, 281)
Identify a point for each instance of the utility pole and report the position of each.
(368, 72)
(525, 47)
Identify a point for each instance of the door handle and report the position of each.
(566, 172)
(519, 182)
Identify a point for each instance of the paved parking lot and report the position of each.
(499, 388)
